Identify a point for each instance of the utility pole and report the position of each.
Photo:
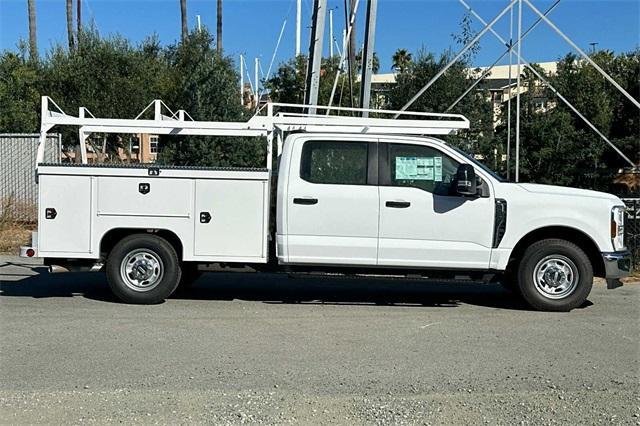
(183, 17)
(352, 41)
(70, 24)
(219, 27)
(78, 19)
(33, 44)
(315, 53)
(330, 33)
(367, 55)
(298, 24)
(593, 45)
(198, 23)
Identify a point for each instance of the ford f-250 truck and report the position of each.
(360, 196)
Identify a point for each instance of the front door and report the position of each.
(332, 203)
(423, 223)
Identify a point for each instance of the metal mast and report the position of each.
(315, 54)
(367, 56)
(298, 19)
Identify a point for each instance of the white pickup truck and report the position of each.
(360, 196)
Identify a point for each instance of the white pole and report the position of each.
(241, 81)
(344, 40)
(198, 23)
(331, 33)
(257, 63)
(298, 25)
(519, 70)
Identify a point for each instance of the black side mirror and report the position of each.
(466, 180)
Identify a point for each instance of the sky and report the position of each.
(251, 27)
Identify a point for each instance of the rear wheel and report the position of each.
(143, 269)
(555, 275)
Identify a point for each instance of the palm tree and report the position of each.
(401, 60)
(70, 23)
(33, 45)
(183, 13)
(219, 28)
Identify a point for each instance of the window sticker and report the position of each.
(406, 167)
(425, 168)
(419, 168)
(438, 169)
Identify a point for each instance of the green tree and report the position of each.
(19, 93)
(401, 60)
(557, 147)
(206, 87)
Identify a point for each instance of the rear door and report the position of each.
(332, 203)
(423, 222)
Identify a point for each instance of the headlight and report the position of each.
(617, 227)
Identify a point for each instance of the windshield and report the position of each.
(479, 164)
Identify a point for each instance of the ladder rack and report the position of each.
(272, 120)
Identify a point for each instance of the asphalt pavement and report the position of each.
(253, 348)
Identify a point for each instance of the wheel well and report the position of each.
(113, 236)
(575, 236)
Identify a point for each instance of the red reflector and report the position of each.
(30, 252)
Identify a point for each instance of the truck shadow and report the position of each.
(278, 289)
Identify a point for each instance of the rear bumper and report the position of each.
(616, 265)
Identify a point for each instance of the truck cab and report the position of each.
(353, 196)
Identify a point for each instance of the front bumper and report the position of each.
(616, 265)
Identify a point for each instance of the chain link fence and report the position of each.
(18, 189)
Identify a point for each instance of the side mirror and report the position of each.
(466, 180)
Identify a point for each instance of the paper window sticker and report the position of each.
(406, 167)
(425, 168)
(438, 169)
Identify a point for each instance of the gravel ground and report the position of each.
(242, 348)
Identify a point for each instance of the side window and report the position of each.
(343, 163)
(421, 167)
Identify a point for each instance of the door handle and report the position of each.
(398, 204)
(305, 201)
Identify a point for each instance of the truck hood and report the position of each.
(566, 191)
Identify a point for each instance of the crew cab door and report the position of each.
(423, 223)
(332, 203)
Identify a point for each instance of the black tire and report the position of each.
(147, 253)
(560, 259)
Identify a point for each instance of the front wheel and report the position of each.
(555, 275)
(143, 269)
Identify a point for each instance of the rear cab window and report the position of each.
(337, 163)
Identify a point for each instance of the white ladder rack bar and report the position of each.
(266, 122)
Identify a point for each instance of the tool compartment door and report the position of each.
(64, 214)
(229, 221)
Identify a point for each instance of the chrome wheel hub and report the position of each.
(141, 270)
(555, 276)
